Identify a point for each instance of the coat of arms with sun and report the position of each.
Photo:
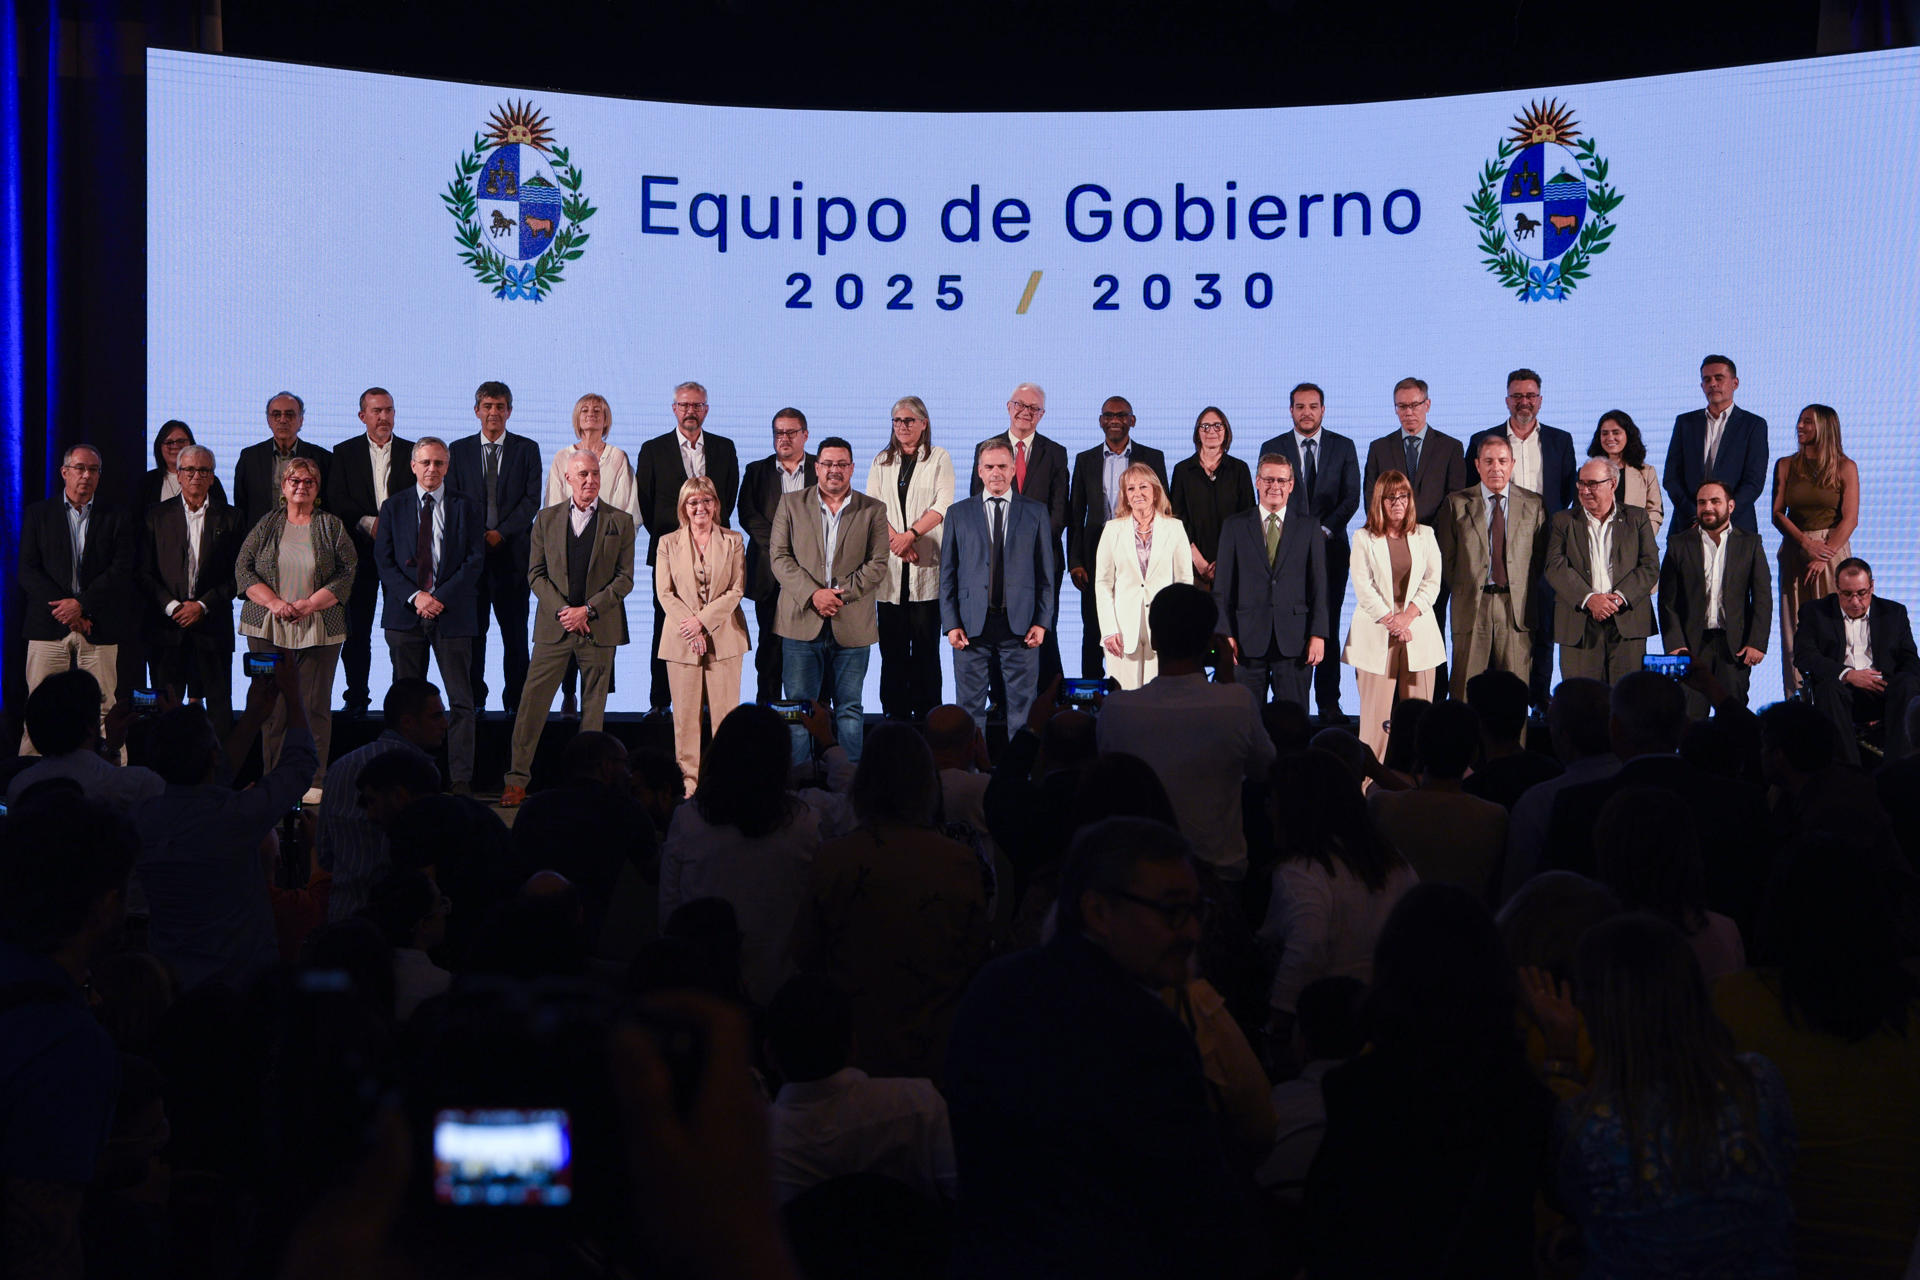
(516, 198)
(1544, 205)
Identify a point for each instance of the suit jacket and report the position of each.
(1746, 592)
(1336, 492)
(1368, 648)
(609, 574)
(334, 561)
(930, 489)
(456, 575)
(1121, 593)
(254, 492)
(1089, 506)
(46, 569)
(1272, 608)
(799, 554)
(1741, 464)
(1462, 533)
(1820, 639)
(1047, 483)
(163, 571)
(658, 474)
(966, 567)
(1633, 564)
(350, 491)
(1443, 469)
(520, 491)
(152, 483)
(759, 495)
(1557, 465)
(679, 595)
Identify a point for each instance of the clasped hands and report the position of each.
(574, 618)
(694, 634)
(294, 610)
(828, 601)
(69, 615)
(1603, 605)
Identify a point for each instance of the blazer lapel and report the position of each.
(557, 564)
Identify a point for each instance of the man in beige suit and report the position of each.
(580, 566)
(1492, 541)
(1603, 566)
(829, 554)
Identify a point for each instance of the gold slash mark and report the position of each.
(1026, 299)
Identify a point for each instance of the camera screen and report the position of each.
(791, 712)
(1661, 664)
(1082, 692)
(503, 1158)
(260, 664)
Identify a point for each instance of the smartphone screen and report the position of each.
(503, 1158)
(1674, 666)
(260, 664)
(791, 712)
(1083, 692)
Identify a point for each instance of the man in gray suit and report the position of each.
(1492, 537)
(996, 588)
(580, 566)
(1602, 565)
(1716, 596)
(829, 553)
(1270, 586)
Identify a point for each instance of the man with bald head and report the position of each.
(1040, 473)
(1603, 565)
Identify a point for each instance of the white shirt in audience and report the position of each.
(849, 1123)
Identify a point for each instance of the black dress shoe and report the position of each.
(1332, 716)
(569, 703)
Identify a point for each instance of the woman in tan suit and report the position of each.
(699, 577)
(1393, 644)
(1142, 549)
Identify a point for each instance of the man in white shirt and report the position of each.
(366, 471)
(1857, 652)
(1716, 597)
(63, 716)
(1602, 565)
(1202, 739)
(186, 571)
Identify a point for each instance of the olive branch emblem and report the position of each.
(1549, 281)
(517, 123)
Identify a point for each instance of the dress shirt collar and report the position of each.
(1126, 451)
(1716, 424)
(1026, 439)
(580, 516)
(1711, 543)
(1300, 442)
(84, 510)
(420, 495)
(1487, 496)
(1597, 522)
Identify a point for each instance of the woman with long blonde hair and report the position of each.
(1142, 549)
(1816, 506)
(1393, 644)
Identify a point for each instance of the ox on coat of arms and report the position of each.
(517, 201)
(1544, 205)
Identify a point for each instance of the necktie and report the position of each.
(1273, 537)
(1413, 454)
(1020, 465)
(1310, 471)
(1497, 541)
(193, 558)
(423, 549)
(492, 484)
(997, 579)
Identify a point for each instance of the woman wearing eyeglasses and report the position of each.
(163, 482)
(1207, 488)
(914, 477)
(295, 570)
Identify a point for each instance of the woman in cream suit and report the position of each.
(915, 481)
(1393, 645)
(699, 576)
(592, 423)
(1142, 549)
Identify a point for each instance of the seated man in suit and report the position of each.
(428, 556)
(996, 588)
(257, 472)
(1270, 584)
(186, 568)
(1492, 556)
(1720, 442)
(1716, 597)
(1602, 564)
(1857, 652)
(581, 568)
(500, 473)
(366, 471)
(1091, 497)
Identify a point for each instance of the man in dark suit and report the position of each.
(1857, 652)
(186, 570)
(1271, 589)
(1721, 442)
(789, 469)
(428, 557)
(256, 475)
(1716, 597)
(1040, 473)
(1328, 494)
(76, 566)
(1602, 564)
(662, 466)
(1090, 500)
(366, 471)
(996, 589)
(1435, 464)
(1543, 462)
(499, 473)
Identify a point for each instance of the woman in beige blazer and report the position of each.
(698, 577)
(914, 478)
(1393, 644)
(1142, 549)
(1617, 439)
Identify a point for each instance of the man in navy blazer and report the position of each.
(1857, 654)
(366, 471)
(428, 578)
(1328, 495)
(499, 473)
(1040, 473)
(1721, 442)
(1090, 501)
(1273, 604)
(997, 601)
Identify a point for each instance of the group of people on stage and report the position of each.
(1526, 545)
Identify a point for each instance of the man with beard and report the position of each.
(1716, 597)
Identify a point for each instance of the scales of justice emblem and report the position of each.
(517, 202)
(1544, 205)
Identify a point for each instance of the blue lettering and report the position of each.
(899, 219)
(1180, 206)
(1340, 202)
(1307, 202)
(648, 204)
(719, 228)
(1267, 211)
(1010, 213)
(1101, 218)
(970, 205)
(1127, 220)
(823, 233)
(1386, 211)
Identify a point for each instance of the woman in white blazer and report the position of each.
(1142, 549)
(1393, 645)
(915, 481)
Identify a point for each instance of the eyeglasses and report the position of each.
(1408, 407)
(1213, 426)
(286, 415)
(681, 406)
(300, 482)
(1115, 417)
(789, 434)
(195, 471)
(1276, 481)
(906, 422)
(1021, 406)
(1525, 396)
(1591, 484)
(83, 468)
(822, 465)
(701, 504)
(1174, 914)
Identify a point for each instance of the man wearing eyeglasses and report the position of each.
(257, 472)
(1040, 473)
(1603, 565)
(789, 469)
(76, 565)
(186, 574)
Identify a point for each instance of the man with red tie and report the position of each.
(1039, 472)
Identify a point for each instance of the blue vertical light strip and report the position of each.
(50, 225)
(13, 330)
